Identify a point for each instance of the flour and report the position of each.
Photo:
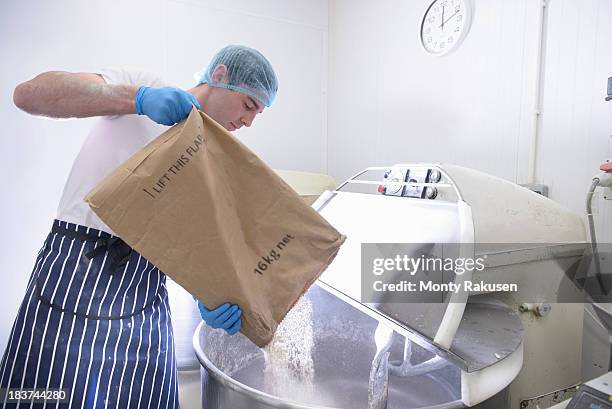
(289, 368)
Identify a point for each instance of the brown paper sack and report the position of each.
(206, 211)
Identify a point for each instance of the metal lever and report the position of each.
(378, 384)
(406, 368)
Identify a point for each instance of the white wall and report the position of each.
(170, 37)
(389, 102)
(577, 123)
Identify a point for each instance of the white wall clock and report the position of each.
(445, 25)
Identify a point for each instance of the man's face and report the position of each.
(232, 109)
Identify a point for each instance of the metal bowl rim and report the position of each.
(264, 397)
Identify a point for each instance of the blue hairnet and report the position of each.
(248, 71)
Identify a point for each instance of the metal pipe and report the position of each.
(542, 19)
(589, 200)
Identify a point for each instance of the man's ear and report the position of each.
(220, 73)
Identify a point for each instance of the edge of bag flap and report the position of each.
(156, 143)
(109, 185)
(105, 189)
(128, 167)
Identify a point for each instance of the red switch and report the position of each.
(606, 167)
(381, 188)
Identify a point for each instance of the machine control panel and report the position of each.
(394, 177)
(596, 394)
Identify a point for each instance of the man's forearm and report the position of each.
(69, 95)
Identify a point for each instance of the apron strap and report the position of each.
(119, 252)
(117, 249)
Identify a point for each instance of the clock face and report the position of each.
(445, 24)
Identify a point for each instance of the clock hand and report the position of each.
(448, 19)
(442, 25)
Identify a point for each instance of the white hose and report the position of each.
(590, 193)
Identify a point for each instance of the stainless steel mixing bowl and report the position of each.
(343, 348)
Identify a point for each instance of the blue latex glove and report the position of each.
(226, 316)
(166, 106)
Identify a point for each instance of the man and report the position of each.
(95, 319)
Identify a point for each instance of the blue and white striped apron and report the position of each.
(95, 320)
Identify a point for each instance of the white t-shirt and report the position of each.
(111, 142)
